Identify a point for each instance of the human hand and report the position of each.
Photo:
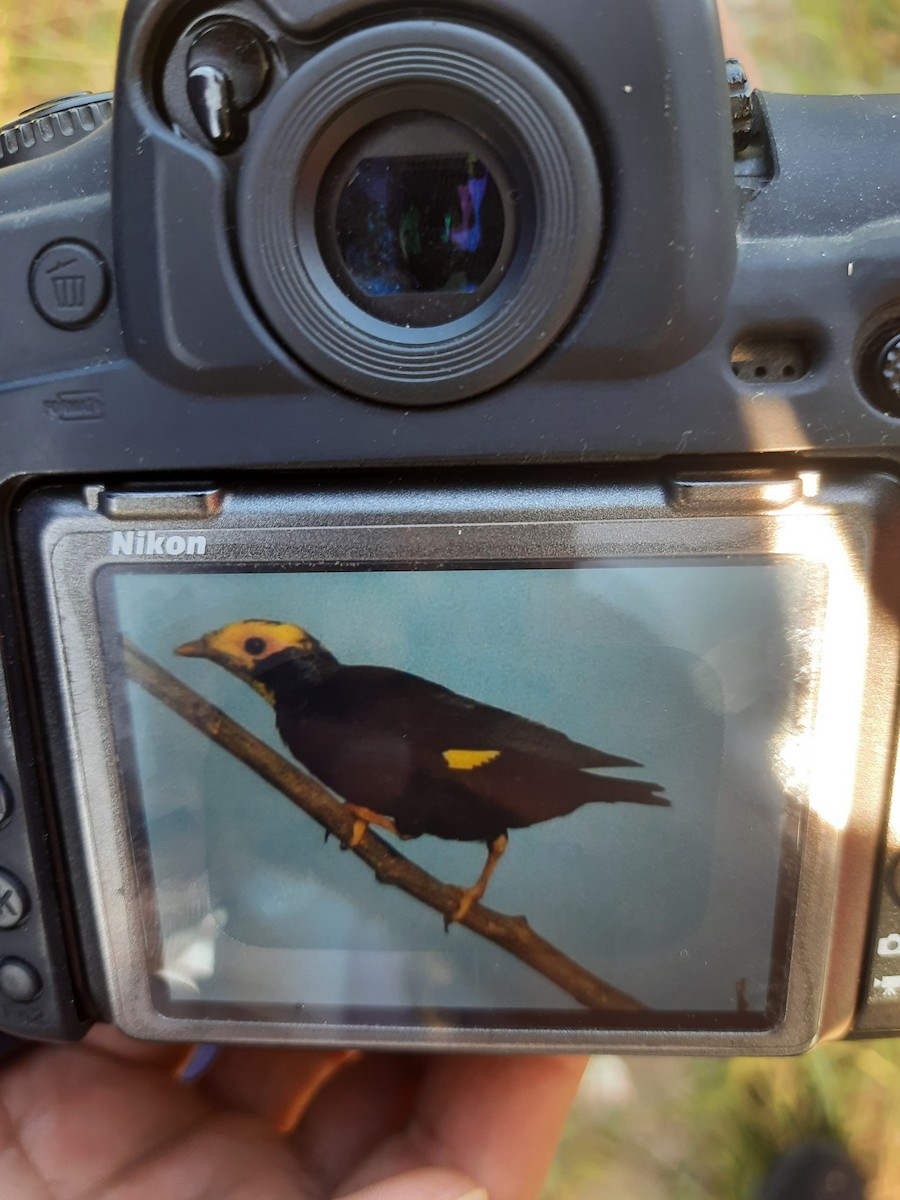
(110, 1119)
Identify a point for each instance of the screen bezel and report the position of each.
(521, 1019)
(835, 527)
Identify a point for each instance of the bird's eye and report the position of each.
(255, 646)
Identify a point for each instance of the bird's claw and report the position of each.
(469, 897)
(360, 829)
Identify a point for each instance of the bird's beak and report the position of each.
(198, 649)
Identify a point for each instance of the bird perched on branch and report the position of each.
(410, 756)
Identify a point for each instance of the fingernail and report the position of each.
(476, 1194)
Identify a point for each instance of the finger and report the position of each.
(276, 1085)
(427, 1184)
(495, 1120)
(78, 1115)
(169, 1058)
(364, 1106)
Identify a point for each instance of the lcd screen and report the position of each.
(609, 746)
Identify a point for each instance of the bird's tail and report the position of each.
(605, 790)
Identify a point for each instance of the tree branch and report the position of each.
(513, 934)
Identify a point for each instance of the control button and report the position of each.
(13, 901)
(6, 802)
(228, 69)
(211, 94)
(888, 987)
(69, 285)
(889, 947)
(19, 980)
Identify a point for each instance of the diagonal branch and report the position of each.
(513, 934)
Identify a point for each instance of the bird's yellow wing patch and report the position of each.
(469, 760)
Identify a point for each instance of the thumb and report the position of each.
(427, 1183)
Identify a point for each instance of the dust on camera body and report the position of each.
(449, 479)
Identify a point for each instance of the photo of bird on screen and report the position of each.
(412, 757)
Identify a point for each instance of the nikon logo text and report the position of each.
(157, 545)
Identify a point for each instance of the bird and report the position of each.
(412, 757)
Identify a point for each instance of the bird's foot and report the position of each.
(364, 818)
(468, 897)
(473, 895)
(360, 829)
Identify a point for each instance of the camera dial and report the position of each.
(52, 126)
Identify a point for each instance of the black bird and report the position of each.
(410, 756)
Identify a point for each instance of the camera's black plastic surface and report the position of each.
(175, 371)
(42, 993)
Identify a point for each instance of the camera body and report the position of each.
(525, 366)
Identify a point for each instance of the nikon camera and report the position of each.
(450, 484)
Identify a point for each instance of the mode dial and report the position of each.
(52, 126)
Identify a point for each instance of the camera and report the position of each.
(449, 476)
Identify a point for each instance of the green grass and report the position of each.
(825, 45)
(656, 1129)
(48, 48)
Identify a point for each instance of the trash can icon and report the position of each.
(69, 290)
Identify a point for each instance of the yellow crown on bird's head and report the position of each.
(244, 646)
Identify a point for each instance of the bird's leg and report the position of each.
(366, 817)
(472, 895)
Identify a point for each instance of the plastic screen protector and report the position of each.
(697, 671)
